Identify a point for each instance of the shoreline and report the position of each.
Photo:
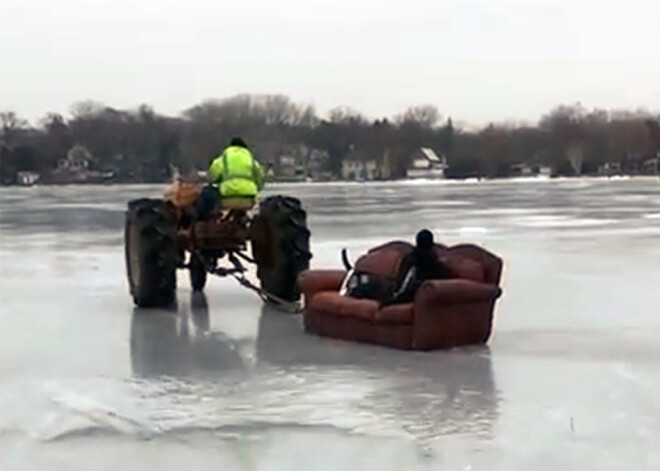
(402, 181)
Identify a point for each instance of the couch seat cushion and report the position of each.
(396, 314)
(338, 305)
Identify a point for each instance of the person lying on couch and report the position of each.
(419, 265)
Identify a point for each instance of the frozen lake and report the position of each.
(570, 378)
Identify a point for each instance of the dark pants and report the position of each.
(207, 201)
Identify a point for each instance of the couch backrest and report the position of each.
(473, 262)
(463, 267)
(467, 261)
(385, 260)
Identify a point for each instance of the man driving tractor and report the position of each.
(237, 173)
(196, 225)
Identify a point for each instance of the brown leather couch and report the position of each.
(444, 313)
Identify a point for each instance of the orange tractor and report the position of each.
(163, 235)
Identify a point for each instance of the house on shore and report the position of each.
(357, 166)
(27, 178)
(545, 171)
(427, 164)
(316, 164)
(609, 169)
(523, 169)
(76, 167)
(361, 170)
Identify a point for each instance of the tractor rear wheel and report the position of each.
(280, 245)
(151, 253)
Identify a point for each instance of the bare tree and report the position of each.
(426, 116)
(575, 155)
(86, 108)
(11, 123)
(345, 115)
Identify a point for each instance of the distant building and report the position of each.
(370, 170)
(356, 166)
(78, 158)
(545, 171)
(359, 170)
(521, 170)
(427, 164)
(609, 168)
(76, 168)
(316, 163)
(651, 166)
(27, 178)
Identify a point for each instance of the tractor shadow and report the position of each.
(179, 342)
(434, 393)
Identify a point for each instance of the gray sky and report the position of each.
(476, 60)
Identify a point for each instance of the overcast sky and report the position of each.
(476, 60)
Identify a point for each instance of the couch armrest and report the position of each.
(311, 282)
(456, 291)
(491, 263)
(450, 313)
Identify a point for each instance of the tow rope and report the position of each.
(268, 298)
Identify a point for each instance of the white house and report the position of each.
(78, 158)
(359, 170)
(27, 178)
(609, 168)
(427, 164)
(521, 169)
(545, 171)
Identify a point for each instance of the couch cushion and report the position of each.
(384, 260)
(334, 303)
(491, 263)
(396, 314)
(464, 267)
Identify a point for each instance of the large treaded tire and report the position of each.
(280, 245)
(151, 253)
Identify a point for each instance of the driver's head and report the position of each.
(424, 239)
(238, 142)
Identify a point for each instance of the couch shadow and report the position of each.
(431, 394)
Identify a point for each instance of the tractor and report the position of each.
(164, 234)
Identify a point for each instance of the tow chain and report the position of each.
(268, 298)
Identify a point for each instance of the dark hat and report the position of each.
(424, 239)
(238, 142)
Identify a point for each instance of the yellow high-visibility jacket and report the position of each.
(237, 172)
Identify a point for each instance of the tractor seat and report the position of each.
(237, 204)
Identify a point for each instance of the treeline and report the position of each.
(142, 146)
